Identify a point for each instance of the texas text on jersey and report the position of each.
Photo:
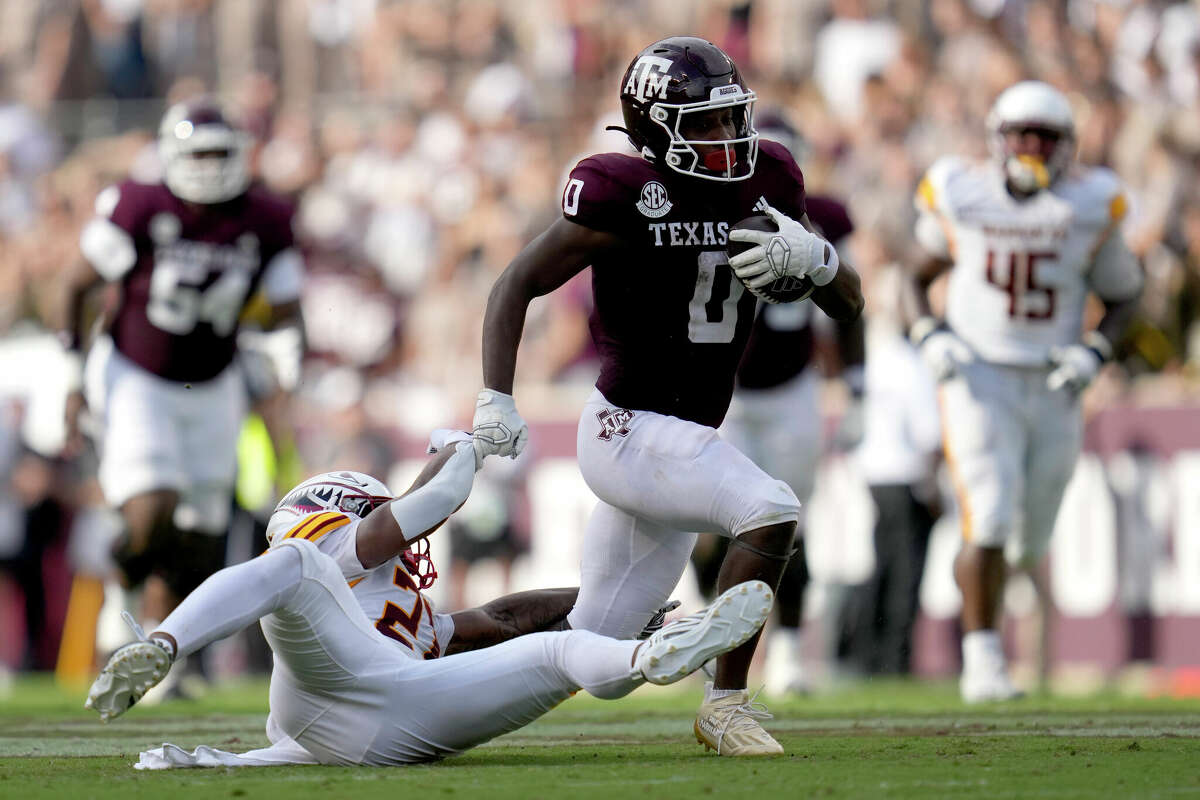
(670, 320)
(186, 271)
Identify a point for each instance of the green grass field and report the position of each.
(881, 739)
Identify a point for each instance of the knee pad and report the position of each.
(204, 508)
(768, 503)
(191, 558)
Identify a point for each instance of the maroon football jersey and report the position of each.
(781, 341)
(670, 319)
(196, 268)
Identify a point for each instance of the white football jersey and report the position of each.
(388, 594)
(1022, 269)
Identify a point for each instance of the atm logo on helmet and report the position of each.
(648, 78)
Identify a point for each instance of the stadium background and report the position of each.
(424, 142)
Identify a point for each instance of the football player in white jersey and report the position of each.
(1025, 237)
(362, 674)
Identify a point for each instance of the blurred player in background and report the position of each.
(898, 459)
(189, 254)
(775, 417)
(1025, 237)
(492, 526)
(366, 672)
(671, 323)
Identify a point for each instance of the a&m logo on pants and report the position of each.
(613, 422)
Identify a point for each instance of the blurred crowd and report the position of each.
(424, 141)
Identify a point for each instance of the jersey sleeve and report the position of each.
(1115, 274)
(794, 202)
(932, 230)
(831, 217)
(107, 240)
(283, 277)
(592, 198)
(335, 534)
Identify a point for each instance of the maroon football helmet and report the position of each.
(205, 157)
(686, 107)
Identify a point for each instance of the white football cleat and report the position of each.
(130, 672)
(730, 725)
(990, 686)
(681, 648)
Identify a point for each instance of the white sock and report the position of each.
(982, 649)
(711, 694)
(786, 641)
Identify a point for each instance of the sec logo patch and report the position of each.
(654, 202)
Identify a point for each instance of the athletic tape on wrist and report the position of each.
(831, 264)
(1098, 343)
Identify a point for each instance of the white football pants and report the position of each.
(349, 696)
(161, 434)
(1011, 445)
(660, 479)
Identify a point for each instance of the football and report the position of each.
(788, 289)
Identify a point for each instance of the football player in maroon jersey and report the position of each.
(188, 254)
(670, 323)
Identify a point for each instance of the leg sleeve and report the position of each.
(628, 569)
(233, 598)
(450, 704)
(316, 629)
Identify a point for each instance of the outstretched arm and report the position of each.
(439, 490)
(510, 616)
(69, 321)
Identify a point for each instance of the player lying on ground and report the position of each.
(346, 690)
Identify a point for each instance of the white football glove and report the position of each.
(498, 429)
(943, 352)
(1075, 366)
(792, 250)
